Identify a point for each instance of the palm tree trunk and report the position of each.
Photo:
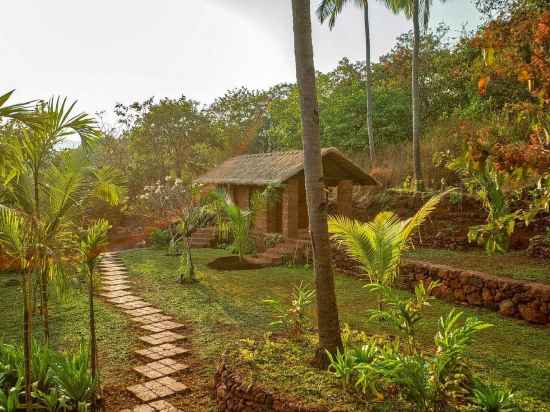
(93, 340)
(327, 310)
(416, 98)
(27, 339)
(369, 85)
(44, 304)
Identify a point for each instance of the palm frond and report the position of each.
(20, 111)
(331, 9)
(13, 233)
(414, 222)
(94, 239)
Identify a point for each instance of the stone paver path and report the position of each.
(163, 326)
(158, 406)
(136, 304)
(124, 299)
(158, 352)
(116, 288)
(154, 318)
(158, 369)
(157, 388)
(161, 337)
(161, 351)
(142, 311)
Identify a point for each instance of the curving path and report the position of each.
(160, 334)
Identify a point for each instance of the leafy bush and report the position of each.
(160, 238)
(61, 382)
(431, 382)
(403, 314)
(293, 317)
(73, 377)
(489, 397)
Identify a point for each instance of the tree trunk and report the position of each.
(190, 264)
(327, 310)
(27, 339)
(44, 304)
(419, 184)
(369, 86)
(93, 340)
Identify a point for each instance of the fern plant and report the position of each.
(379, 244)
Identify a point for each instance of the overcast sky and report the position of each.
(106, 51)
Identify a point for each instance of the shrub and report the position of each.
(73, 377)
(293, 317)
(431, 382)
(160, 238)
(492, 398)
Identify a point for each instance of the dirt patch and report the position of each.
(232, 263)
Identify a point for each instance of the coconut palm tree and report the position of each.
(331, 9)
(415, 10)
(327, 309)
(91, 245)
(379, 244)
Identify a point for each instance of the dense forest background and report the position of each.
(487, 90)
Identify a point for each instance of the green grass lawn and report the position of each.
(69, 326)
(516, 265)
(227, 306)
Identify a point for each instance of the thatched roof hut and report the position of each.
(277, 167)
(242, 175)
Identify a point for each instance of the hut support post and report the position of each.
(345, 198)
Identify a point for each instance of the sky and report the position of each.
(106, 51)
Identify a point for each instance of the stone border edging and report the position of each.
(510, 297)
(232, 395)
(520, 299)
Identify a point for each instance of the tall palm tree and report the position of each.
(331, 9)
(415, 10)
(327, 309)
(91, 245)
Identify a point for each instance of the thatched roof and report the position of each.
(277, 167)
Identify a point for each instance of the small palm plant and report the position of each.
(293, 317)
(194, 217)
(239, 221)
(91, 245)
(378, 245)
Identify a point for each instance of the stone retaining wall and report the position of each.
(233, 395)
(516, 298)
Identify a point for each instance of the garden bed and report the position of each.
(225, 307)
(262, 375)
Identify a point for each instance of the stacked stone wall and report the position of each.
(525, 300)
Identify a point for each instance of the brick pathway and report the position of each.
(159, 334)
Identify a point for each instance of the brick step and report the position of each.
(202, 237)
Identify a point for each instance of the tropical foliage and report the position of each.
(62, 381)
(378, 245)
(436, 381)
(293, 318)
(45, 198)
